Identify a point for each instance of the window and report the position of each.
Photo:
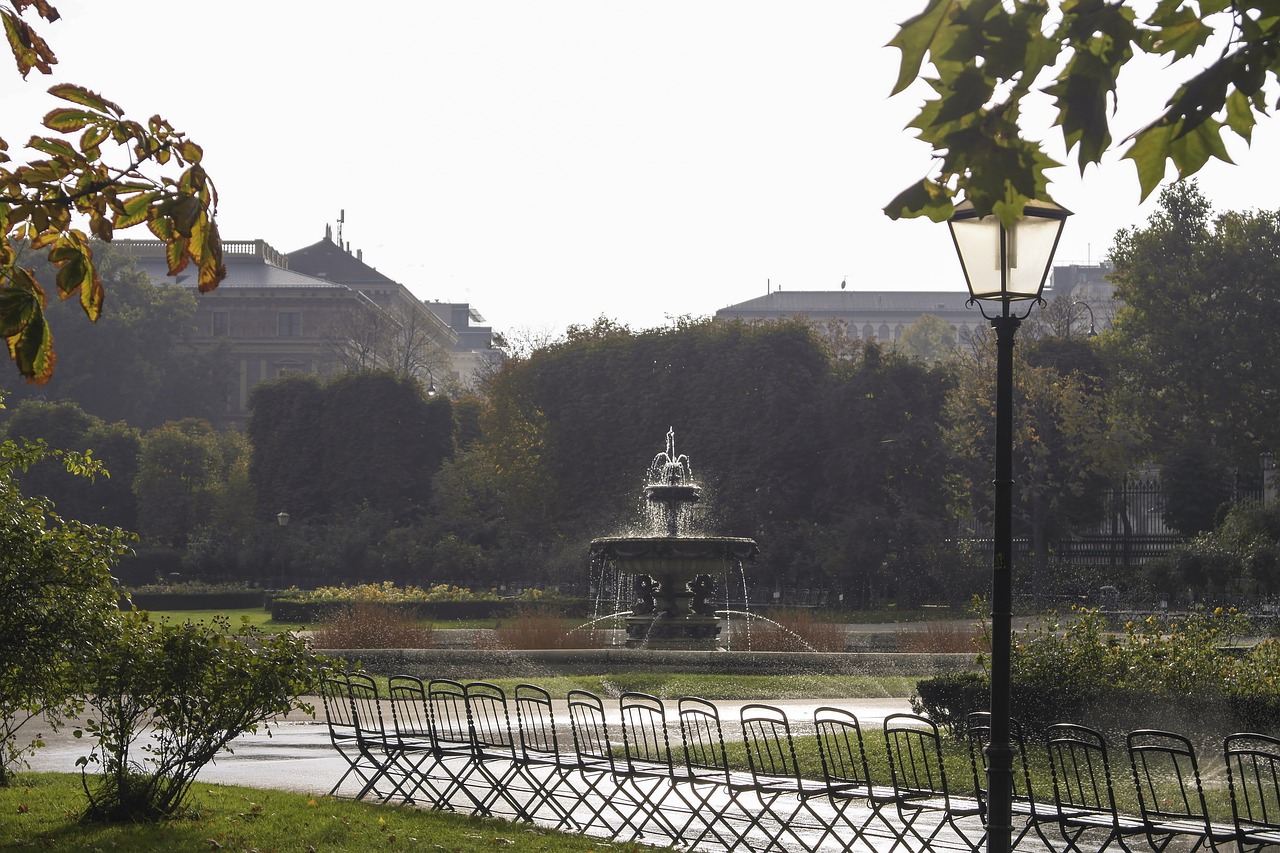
(221, 324)
(290, 324)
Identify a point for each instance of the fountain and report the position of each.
(672, 571)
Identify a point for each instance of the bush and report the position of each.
(949, 699)
(1165, 674)
(368, 625)
(791, 630)
(193, 688)
(543, 628)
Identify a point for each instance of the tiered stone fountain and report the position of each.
(672, 571)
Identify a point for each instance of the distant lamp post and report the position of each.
(1093, 327)
(431, 384)
(1002, 266)
(282, 519)
(1269, 478)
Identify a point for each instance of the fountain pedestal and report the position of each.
(674, 581)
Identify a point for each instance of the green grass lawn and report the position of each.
(40, 812)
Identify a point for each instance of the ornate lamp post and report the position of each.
(1002, 266)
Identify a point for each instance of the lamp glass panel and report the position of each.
(1029, 246)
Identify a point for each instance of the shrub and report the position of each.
(543, 628)
(941, 638)
(193, 688)
(792, 630)
(1153, 673)
(367, 625)
(949, 699)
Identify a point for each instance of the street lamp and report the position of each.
(1004, 265)
(1093, 326)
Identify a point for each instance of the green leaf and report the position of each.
(916, 36)
(68, 120)
(85, 98)
(137, 209)
(1192, 149)
(32, 349)
(926, 198)
(1149, 152)
(1240, 115)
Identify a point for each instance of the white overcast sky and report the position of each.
(551, 162)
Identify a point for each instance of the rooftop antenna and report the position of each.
(342, 217)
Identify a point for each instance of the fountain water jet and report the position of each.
(673, 573)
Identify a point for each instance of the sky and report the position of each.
(553, 162)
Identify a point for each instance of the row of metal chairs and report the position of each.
(454, 746)
(450, 745)
(1167, 782)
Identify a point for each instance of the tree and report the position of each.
(105, 499)
(990, 57)
(1067, 444)
(136, 363)
(180, 469)
(1195, 348)
(98, 177)
(59, 597)
(929, 339)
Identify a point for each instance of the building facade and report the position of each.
(883, 315)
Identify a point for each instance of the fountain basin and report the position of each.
(674, 580)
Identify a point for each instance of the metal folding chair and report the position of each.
(1082, 789)
(451, 733)
(920, 785)
(1170, 795)
(371, 735)
(493, 747)
(848, 776)
(771, 755)
(597, 771)
(649, 767)
(415, 748)
(340, 718)
(1253, 776)
(546, 765)
(718, 789)
(1035, 814)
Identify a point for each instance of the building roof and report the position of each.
(328, 260)
(819, 302)
(250, 264)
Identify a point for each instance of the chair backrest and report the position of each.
(914, 748)
(367, 706)
(771, 752)
(536, 722)
(644, 731)
(447, 704)
(490, 719)
(703, 738)
(841, 748)
(590, 732)
(335, 695)
(1166, 776)
(978, 736)
(1080, 769)
(410, 719)
(1253, 774)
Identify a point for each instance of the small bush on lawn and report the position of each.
(168, 698)
(373, 626)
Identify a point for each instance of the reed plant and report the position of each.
(367, 625)
(789, 630)
(542, 627)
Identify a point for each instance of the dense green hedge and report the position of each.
(1181, 675)
(195, 600)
